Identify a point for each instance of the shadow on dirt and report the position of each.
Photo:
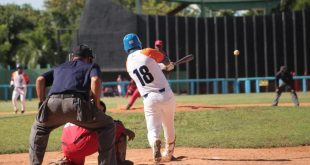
(263, 160)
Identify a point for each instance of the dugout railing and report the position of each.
(248, 84)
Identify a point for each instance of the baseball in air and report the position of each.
(236, 52)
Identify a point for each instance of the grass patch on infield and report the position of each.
(233, 128)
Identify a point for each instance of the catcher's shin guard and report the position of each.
(121, 146)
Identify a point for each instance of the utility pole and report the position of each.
(138, 7)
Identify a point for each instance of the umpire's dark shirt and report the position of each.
(286, 77)
(71, 77)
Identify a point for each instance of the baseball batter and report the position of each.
(159, 102)
(132, 89)
(19, 81)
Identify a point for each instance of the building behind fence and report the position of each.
(265, 42)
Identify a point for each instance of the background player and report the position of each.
(159, 45)
(287, 81)
(159, 101)
(78, 142)
(19, 81)
(134, 92)
(119, 80)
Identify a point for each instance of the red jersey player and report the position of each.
(77, 143)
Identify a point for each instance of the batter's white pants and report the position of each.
(16, 93)
(159, 109)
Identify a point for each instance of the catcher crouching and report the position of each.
(77, 143)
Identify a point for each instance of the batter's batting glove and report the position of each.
(170, 66)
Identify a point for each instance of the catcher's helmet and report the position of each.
(131, 41)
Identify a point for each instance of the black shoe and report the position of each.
(16, 111)
(22, 111)
(128, 106)
(126, 162)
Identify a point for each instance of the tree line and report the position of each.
(30, 37)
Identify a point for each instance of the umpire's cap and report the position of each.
(83, 50)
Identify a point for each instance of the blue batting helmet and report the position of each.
(131, 41)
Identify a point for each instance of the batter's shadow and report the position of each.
(179, 158)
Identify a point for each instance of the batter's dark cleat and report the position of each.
(22, 111)
(156, 150)
(274, 105)
(15, 111)
(128, 106)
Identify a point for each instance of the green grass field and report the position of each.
(226, 128)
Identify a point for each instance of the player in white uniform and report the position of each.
(19, 81)
(159, 102)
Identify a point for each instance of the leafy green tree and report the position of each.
(27, 36)
(158, 7)
(300, 4)
(14, 20)
(34, 48)
(5, 45)
(292, 5)
(65, 17)
(129, 4)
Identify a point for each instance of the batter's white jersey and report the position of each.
(143, 68)
(159, 101)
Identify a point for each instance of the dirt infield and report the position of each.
(196, 156)
(202, 107)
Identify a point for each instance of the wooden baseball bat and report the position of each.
(185, 59)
